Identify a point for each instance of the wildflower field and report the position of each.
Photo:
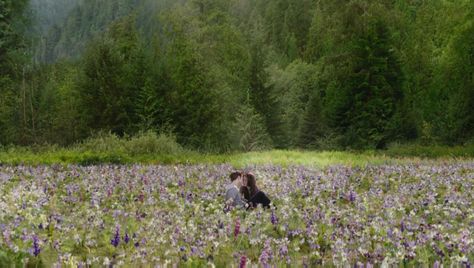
(147, 216)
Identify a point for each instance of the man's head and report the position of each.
(236, 178)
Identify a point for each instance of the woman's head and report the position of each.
(251, 183)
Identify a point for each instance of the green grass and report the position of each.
(432, 151)
(25, 156)
(162, 148)
(309, 158)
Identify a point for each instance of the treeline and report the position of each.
(244, 74)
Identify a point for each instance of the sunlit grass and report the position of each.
(16, 156)
(308, 158)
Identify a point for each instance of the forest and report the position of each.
(130, 128)
(227, 75)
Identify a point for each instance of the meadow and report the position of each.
(120, 122)
(329, 209)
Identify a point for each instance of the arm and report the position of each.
(265, 201)
(234, 194)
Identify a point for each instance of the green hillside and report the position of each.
(241, 74)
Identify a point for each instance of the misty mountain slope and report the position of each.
(47, 13)
(65, 27)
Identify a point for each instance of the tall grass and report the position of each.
(144, 143)
(430, 151)
(153, 148)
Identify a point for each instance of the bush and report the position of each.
(103, 143)
(152, 143)
(97, 159)
(145, 143)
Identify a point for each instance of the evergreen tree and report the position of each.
(249, 129)
(261, 97)
(375, 89)
(292, 88)
(312, 130)
(11, 66)
(456, 89)
(200, 99)
(114, 74)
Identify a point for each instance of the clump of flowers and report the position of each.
(36, 250)
(266, 255)
(243, 262)
(352, 196)
(116, 239)
(273, 218)
(237, 228)
(126, 238)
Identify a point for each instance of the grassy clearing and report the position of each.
(162, 148)
(309, 158)
(17, 156)
(432, 151)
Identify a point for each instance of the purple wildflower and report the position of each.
(264, 258)
(273, 218)
(237, 228)
(116, 240)
(266, 255)
(36, 248)
(126, 238)
(467, 264)
(248, 231)
(352, 196)
(283, 251)
(243, 261)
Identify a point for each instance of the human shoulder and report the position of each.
(231, 188)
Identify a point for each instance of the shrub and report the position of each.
(152, 143)
(144, 143)
(103, 143)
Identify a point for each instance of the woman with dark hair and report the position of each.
(245, 192)
(254, 195)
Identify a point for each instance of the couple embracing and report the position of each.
(243, 192)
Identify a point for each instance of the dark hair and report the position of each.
(251, 184)
(244, 190)
(234, 175)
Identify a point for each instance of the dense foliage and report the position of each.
(132, 215)
(241, 74)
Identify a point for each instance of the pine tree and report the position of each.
(11, 66)
(261, 97)
(114, 74)
(375, 88)
(456, 88)
(250, 131)
(312, 127)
